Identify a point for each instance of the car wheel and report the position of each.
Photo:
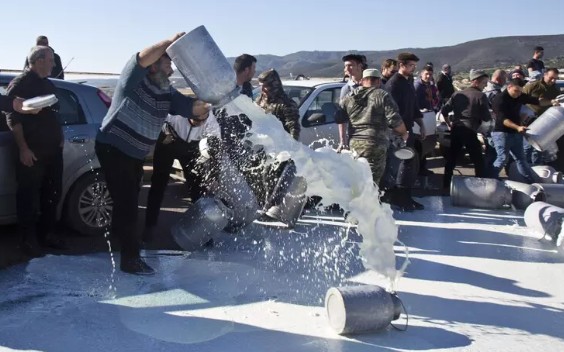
(89, 205)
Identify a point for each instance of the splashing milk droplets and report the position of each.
(337, 178)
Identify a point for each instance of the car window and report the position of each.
(70, 111)
(297, 94)
(560, 85)
(324, 104)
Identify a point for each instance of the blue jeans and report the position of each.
(533, 156)
(506, 144)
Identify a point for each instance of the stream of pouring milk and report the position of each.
(338, 178)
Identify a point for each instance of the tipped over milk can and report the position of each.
(476, 192)
(292, 204)
(545, 219)
(204, 67)
(546, 129)
(554, 193)
(201, 221)
(547, 174)
(355, 309)
(523, 194)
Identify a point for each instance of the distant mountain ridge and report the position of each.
(483, 54)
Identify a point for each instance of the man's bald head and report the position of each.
(499, 76)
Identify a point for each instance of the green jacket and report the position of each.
(370, 113)
(541, 90)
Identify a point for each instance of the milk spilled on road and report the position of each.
(337, 178)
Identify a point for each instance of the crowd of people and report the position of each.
(376, 115)
(368, 114)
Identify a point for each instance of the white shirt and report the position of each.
(189, 133)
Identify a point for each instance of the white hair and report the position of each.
(36, 53)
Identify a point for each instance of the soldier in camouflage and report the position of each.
(370, 112)
(275, 101)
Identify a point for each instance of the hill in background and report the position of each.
(484, 54)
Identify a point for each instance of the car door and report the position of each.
(78, 133)
(318, 121)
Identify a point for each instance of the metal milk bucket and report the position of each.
(546, 129)
(476, 192)
(523, 194)
(554, 193)
(204, 67)
(354, 309)
(201, 221)
(546, 219)
(547, 174)
(292, 203)
(234, 191)
(430, 123)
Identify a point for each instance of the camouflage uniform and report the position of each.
(370, 113)
(279, 104)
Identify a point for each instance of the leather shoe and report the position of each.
(136, 266)
(53, 243)
(31, 250)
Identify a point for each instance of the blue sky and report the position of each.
(101, 35)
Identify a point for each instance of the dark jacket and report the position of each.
(57, 71)
(506, 107)
(6, 103)
(470, 107)
(445, 86)
(42, 132)
(426, 95)
(403, 92)
(247, 89)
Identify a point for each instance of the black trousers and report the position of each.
(163, 158)
(38, 194)
(123, 176)
(460, 137)
(409, 169)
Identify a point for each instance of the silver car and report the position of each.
(85, 204)
(317, 101)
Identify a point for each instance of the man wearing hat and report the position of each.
(370, 112)
(444, 84)
(470, 107)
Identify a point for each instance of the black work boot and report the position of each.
(415, 205)
(31, 250)
(400, 200)
(136, 266)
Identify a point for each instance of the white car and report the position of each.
(317, 101)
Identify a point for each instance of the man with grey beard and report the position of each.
(141, 102)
